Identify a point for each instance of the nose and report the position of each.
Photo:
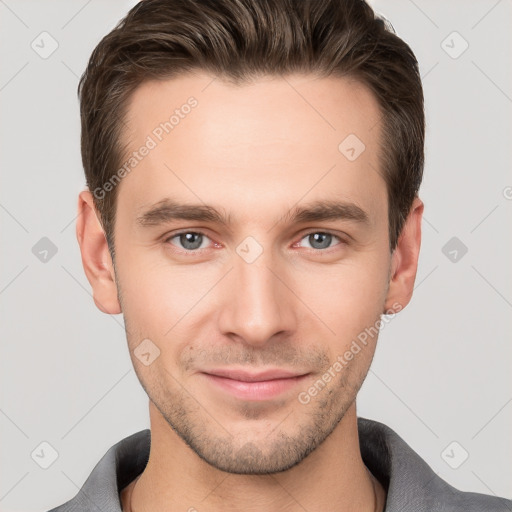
(257, 304)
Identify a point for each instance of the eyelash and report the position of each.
(199, 251)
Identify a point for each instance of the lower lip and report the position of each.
(261, 390)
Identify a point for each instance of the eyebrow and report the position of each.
(168, 210)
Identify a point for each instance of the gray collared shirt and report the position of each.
(410, 483)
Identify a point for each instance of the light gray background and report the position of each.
(442, 368)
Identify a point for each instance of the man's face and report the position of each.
(265, 291)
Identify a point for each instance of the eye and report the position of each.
(319, 240)
(188, 240)
(194, 241)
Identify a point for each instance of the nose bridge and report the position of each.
(257, 304)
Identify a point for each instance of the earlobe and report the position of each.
(96, 258)
(404, 263)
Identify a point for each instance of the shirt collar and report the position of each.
(409, 482)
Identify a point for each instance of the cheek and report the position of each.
(171, 303)
(157, 292)
(348, 298)
(165, 304)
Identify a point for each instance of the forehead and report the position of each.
(273, 141)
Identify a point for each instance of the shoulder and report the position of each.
(120, 465)
(410, 482)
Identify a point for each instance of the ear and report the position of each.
(404, 261)
(96, 258)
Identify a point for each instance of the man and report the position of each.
(252, 209)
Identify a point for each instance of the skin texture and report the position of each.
(253, 152)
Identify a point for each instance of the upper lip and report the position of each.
(245, 376)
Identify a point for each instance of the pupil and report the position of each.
(187, 240)
(323, 238)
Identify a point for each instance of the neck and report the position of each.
(175, 478)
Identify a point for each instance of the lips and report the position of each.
(262, 376)
(262, 385)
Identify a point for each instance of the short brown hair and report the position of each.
(238, 40)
